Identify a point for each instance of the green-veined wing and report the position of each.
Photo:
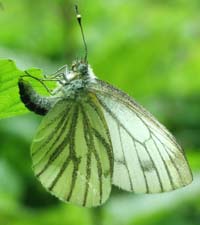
(72, 152)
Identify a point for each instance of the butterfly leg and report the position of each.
(27, 74)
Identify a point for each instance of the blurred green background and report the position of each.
(148, 48)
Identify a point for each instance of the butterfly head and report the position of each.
(80, 70)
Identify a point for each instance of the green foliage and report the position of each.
(10, 102)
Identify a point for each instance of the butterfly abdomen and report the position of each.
(32, 100)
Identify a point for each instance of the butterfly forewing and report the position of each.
(147, 159)
(72, 152)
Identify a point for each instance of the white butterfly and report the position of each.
(94, 135)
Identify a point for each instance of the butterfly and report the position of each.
(93, 136)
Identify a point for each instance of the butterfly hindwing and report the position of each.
(147, 158)
(72, 152)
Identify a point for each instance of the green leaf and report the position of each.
(10, 103)
(9, 97)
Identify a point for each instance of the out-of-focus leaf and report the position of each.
(11, 187)
(194, 159)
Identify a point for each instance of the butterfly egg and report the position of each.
(32, 100)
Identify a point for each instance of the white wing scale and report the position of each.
(147, 158)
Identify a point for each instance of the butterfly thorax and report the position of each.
(73, 89)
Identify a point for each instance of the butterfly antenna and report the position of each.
(78, 16)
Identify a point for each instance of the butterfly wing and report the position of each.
(72, 152)
(147, 158)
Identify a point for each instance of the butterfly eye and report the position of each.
(74, 67)
(82, 68)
